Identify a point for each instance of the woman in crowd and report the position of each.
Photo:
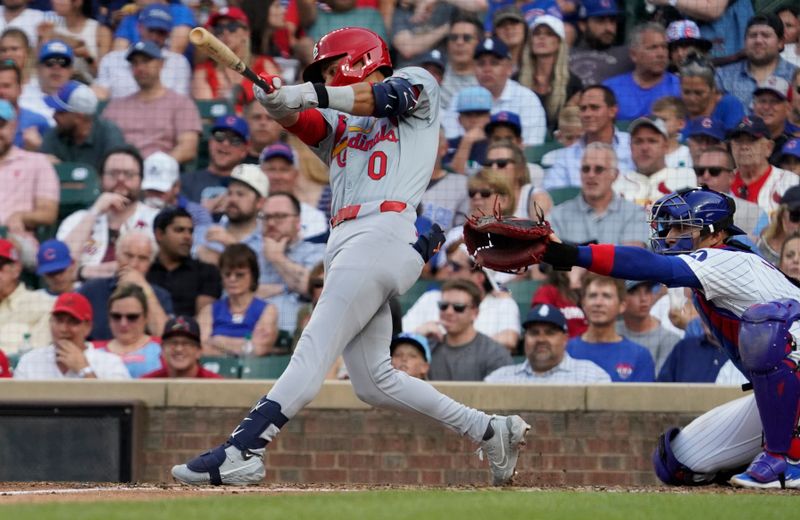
(14, 46)
(790, 256)
(511, 28)
(238, 323)
(72, 23)
(212, 80)
(702, 98)
(507, 159)
(790, 16)
(781, 225)
(127, 318)
(545, 67)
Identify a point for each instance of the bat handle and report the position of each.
(258, 80)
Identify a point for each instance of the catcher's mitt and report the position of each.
(507, 244)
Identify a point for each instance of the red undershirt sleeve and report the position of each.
(310, 127)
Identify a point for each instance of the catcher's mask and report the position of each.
(691, 209)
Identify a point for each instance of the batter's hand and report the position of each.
(285, 101)
(428, 244)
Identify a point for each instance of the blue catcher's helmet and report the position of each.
(694, 209)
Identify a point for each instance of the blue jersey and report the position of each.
(625, 361)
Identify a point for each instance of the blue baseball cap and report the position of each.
(432, 57)
(474, 99)
(706, 126)
(505, 118)
(7, 112)
(590, 8)
(281, 150)
(416, 340)
(544, 313)
(56, 49)
(234, 124)
(791, 147)
(494, 46)
(75, 97)
(147, 48)
(53, 256)
(753, 126)
(156, 17)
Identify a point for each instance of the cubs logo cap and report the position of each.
(591, 8)
(74, 304)
(233, 123)
(706, 126)
(544, 313)
(791, 147)
(53, 256)
(505, 118)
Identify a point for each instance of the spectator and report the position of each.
(597, 212)
(625, 361)
(155, 118)
(245, 197)
(702, 134)
(78, 136)
(191, 284)
(673, 112)
(640, 327)
(28, 185)
(445, 201)
(54, 69)
(70, 21)
(790, 158)
(562, 291)
(784, 222)
(547, 361)
(279, 163)
(69, 355)
(56, 267)
(316, 281)
(755, 179)
(411, 354)
(703, 98)
(22, 312)
(181, 350)
(683, 40)
(128, 316)
(569, 129)
(695, 359)
(771, 103)
(239, 321)
(791, 33)
(263, 131)
(467, 152)
(30, 125)
(286, 259)
(15, 13)
(136, 251)
(433, 62)
(715, 169)
(227, 148)
(465, 34)
(595, 58)
(598, 111)
(790, 256)
(212, 80)
(763, 42)
(413, 36)
(506, 126)
(92, 234)
(636, 91)
(128, 31)
(15, 48)
(115, 77)
(161, 186)
(508, 160)
(652, 178)
(510, 27)
(545, 67)
(346, 13)
(462, 353)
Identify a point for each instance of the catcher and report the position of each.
(750, 306)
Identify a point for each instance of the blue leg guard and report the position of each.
(669, 470)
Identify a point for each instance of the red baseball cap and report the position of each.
(234, 13)
(74, 304)
(8, 250)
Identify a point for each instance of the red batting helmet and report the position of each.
(355, 44)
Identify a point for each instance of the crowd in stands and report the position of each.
(156, 220)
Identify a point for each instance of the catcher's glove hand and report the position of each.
(507, 244)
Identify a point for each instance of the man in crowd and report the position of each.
(694, 359)
(264, 130)
(286, 259)
(92, 234)
(637, 90)
(467, 152)
(703, 133)
(597, 212)
(191, 284)
(411, 354)
(462, 353)
(446, 200)
(23, 313)
(161, 186)
(603, 301)
(180, 344)
(69, 355)
(78, 136)
(771, 103)
(465, 34)
(763, 43)
(55, 265)
(31, 126)
(546, 355)
(595, 58)
(54, 69)
(155, 118)
(598, 111)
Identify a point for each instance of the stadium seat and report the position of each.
(412, 295)
(228, 367)
(622, 125)
(519, 359)
(560, 195)
(80, 187)
(267, 367)
(101, 105)
(522, 292)
(211, 109)
(13, 359)
(284, 341)
(534, 154)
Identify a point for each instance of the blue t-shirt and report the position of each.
(693, 360)
(144, 360)
(225, 324)
(633, 100)
(625, 361)
(26, 119)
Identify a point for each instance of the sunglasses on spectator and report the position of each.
(230, 27)
(456, 267)
(129, 317)
(221, 136)
(458, 307)
(500, 163)
(465, 37)
(485, 194)
(587, 168)
(61, 62)
(714, 171)
(794, 216)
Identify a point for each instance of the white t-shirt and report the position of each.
(28, 21)
(40, 363)
(32, 98)
(495, 315)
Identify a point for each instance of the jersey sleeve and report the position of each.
(722, 272)
(427, 107)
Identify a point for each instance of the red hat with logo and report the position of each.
(8, 250)
(74, 304)
(234, 13)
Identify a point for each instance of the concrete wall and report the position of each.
(600, 434)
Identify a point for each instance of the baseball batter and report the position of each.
(378, 132)
(752, 309)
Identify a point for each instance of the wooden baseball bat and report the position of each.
(221, 53)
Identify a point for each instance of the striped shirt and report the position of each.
(569, 371)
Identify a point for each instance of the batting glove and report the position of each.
(428, 244)
(288, 100)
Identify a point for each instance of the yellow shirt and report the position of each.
(24, 312)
